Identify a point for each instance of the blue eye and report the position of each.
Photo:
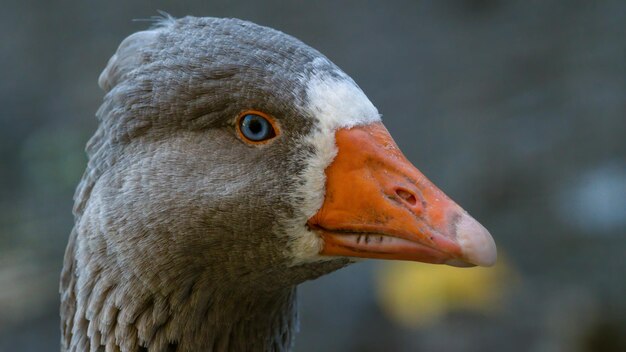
(256, 128)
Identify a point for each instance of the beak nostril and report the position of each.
(406, 196)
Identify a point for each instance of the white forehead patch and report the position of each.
(337, 102)
(334, 102)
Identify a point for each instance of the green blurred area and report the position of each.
(516, 109)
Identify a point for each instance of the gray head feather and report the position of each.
(178, 241)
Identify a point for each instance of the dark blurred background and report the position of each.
(516, 109)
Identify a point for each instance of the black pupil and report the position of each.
(255, 126)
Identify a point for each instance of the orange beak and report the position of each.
(378, 205)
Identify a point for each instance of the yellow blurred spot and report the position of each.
(414, 294)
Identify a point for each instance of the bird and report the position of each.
(231, 163)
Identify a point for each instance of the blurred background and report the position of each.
(516, 109)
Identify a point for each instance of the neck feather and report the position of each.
(103, 308)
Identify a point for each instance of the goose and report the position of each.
(231, 163)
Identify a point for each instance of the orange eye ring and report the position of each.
(256, 128)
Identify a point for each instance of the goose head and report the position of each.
(233, 161)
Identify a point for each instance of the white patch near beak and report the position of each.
(335, 102)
